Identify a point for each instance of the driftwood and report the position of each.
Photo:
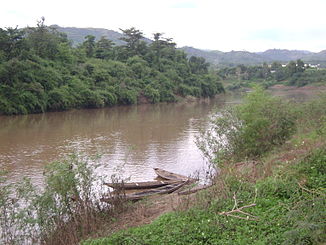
(235, 209)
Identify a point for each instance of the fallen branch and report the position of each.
(235, 209)
(310, 191)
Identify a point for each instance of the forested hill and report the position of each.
(77, 36)
(41, 71)
(249, 58)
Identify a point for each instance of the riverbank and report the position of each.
(215, 216)
(270, 185)
(277, 199)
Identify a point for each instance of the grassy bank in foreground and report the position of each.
(285, 213)
(275, 196)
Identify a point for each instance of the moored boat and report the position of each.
(142, 194)
(140, 185)
(170, 176)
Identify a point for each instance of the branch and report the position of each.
(239, 210)
(310, 191)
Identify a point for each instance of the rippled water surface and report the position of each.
(130, 140)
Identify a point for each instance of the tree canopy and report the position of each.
(41, 71)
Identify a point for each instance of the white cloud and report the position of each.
(208, 24)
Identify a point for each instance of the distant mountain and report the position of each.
(219, 57)
(225, 58)
(317, 57)
(249, 58)
(245, 57)
(210, 56)
(77, 35)
(284, 54)
(215, 57)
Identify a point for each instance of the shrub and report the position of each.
(152, 94)
(65, 211)
(249, 130)
(313, 115)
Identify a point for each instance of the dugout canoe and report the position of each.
(171, 176)
(140, 185)
(147, 193)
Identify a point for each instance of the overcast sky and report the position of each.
(252, 25)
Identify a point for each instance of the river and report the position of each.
(130, 140)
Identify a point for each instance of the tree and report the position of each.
(300, 66)
(44, 41)
(134, 44)
(103, 48)
(11, 42)
(161, 47)
(198, 65)
(89, 45)
(275, 66)
(291, 68)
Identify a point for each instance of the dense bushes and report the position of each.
(294, 73)
(251, 129)
(40, 71)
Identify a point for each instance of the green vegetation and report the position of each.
(294, 73)
(280, 200)
(64, 211)
(41, 71)
(251, 129)
(286, 213)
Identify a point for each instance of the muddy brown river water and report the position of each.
(130, 140)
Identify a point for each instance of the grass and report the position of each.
(287, 212)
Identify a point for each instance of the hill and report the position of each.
(215, 57)
(77, 35)
(284, 55)
(250, 58)
(319, 58)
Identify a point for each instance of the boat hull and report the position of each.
(170, 176)
(139, 185)
(147, 193)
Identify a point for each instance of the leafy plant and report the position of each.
(249, 130)
(67, 209)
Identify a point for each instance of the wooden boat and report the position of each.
(171, 176)
(140, 185)
(142, 194)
